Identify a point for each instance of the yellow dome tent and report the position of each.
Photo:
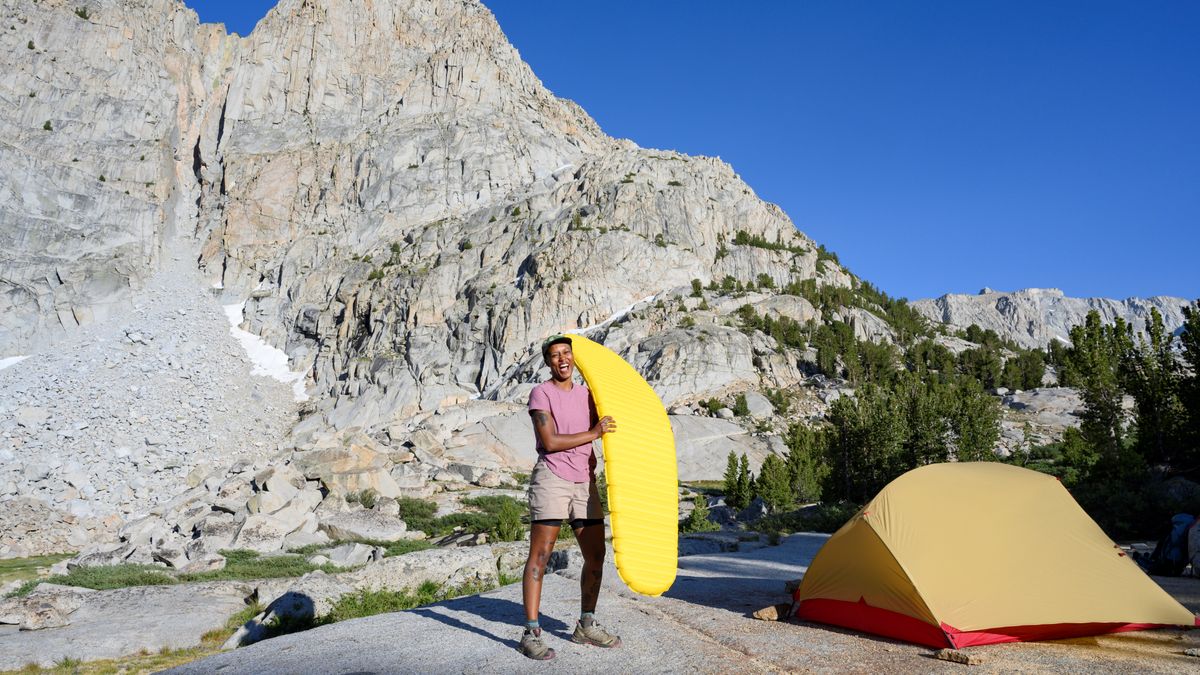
(957, 555)
(639, 466)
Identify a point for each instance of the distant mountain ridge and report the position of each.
(1033, 317)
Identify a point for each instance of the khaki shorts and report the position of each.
(553, 498)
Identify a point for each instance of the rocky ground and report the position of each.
(109, 424)
(701, 625)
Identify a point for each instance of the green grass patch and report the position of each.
(706, 487)
(26, 569)
(105, 578)
(241, 565)
(372, 602)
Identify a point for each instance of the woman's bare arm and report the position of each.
(548, 437)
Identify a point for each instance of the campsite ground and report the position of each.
(701, 625)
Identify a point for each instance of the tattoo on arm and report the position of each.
(540, 418)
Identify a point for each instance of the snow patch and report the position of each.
(11, 361)
(265, 360)
(616, 316)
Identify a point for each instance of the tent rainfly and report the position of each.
(975, 553)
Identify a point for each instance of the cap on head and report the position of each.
(551, 341)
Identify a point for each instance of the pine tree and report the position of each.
(806, 465)
(975, 423)
(1152, 375)
(1189, 387)
(733, 493)
(774, 485)
(1092, 363)
(745, 483)
(697, 520)
(866, 450)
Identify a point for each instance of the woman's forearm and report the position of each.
(555, 442)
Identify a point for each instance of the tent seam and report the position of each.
(908, 575)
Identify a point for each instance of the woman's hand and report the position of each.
(606, 425)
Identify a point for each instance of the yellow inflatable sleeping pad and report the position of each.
(639, 465)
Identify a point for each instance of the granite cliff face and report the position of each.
(1033, 317)
(402, 203)
(99, 116)
(384, 191)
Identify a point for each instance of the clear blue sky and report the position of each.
(935, 145)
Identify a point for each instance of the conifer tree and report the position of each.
(806, 465)
(1152, 376)
(1189, 387)
(1092, 363)
(697, 520)
(774, 484)
(745, 483)
(733, 493)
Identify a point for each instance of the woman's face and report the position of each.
(561, 361)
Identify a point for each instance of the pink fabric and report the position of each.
(572, 412)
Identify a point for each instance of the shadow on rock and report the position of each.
(291, 612)
(491, 609)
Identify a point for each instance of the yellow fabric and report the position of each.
(855, 564)
(987, 545)
(639, 466)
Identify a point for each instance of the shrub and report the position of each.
(47, 126)
(508, 522)
(674, 183)
(516, 211)
(660, 241)
(697, 520)
(375, 275)
(712, 405)
(83, 13)
(744, 238)
(697, 289)
(740, 407)
(372, 602)
(466, 245)
(820, 518)
(30, 45)
(366, 497)
(687, 321)
(102, 179)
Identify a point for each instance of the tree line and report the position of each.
(924, 405)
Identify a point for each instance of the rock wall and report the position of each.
(401, 206)
(1033, 317)
(99, 116)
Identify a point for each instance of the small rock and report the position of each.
(773, 612)
(352, 555)
(208, 562)
(957, 656)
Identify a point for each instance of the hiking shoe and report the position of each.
(594, 635)
(534, 647)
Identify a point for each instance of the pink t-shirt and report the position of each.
(572, 411)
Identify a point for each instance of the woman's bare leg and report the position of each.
(541, 544)
(591, 545)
